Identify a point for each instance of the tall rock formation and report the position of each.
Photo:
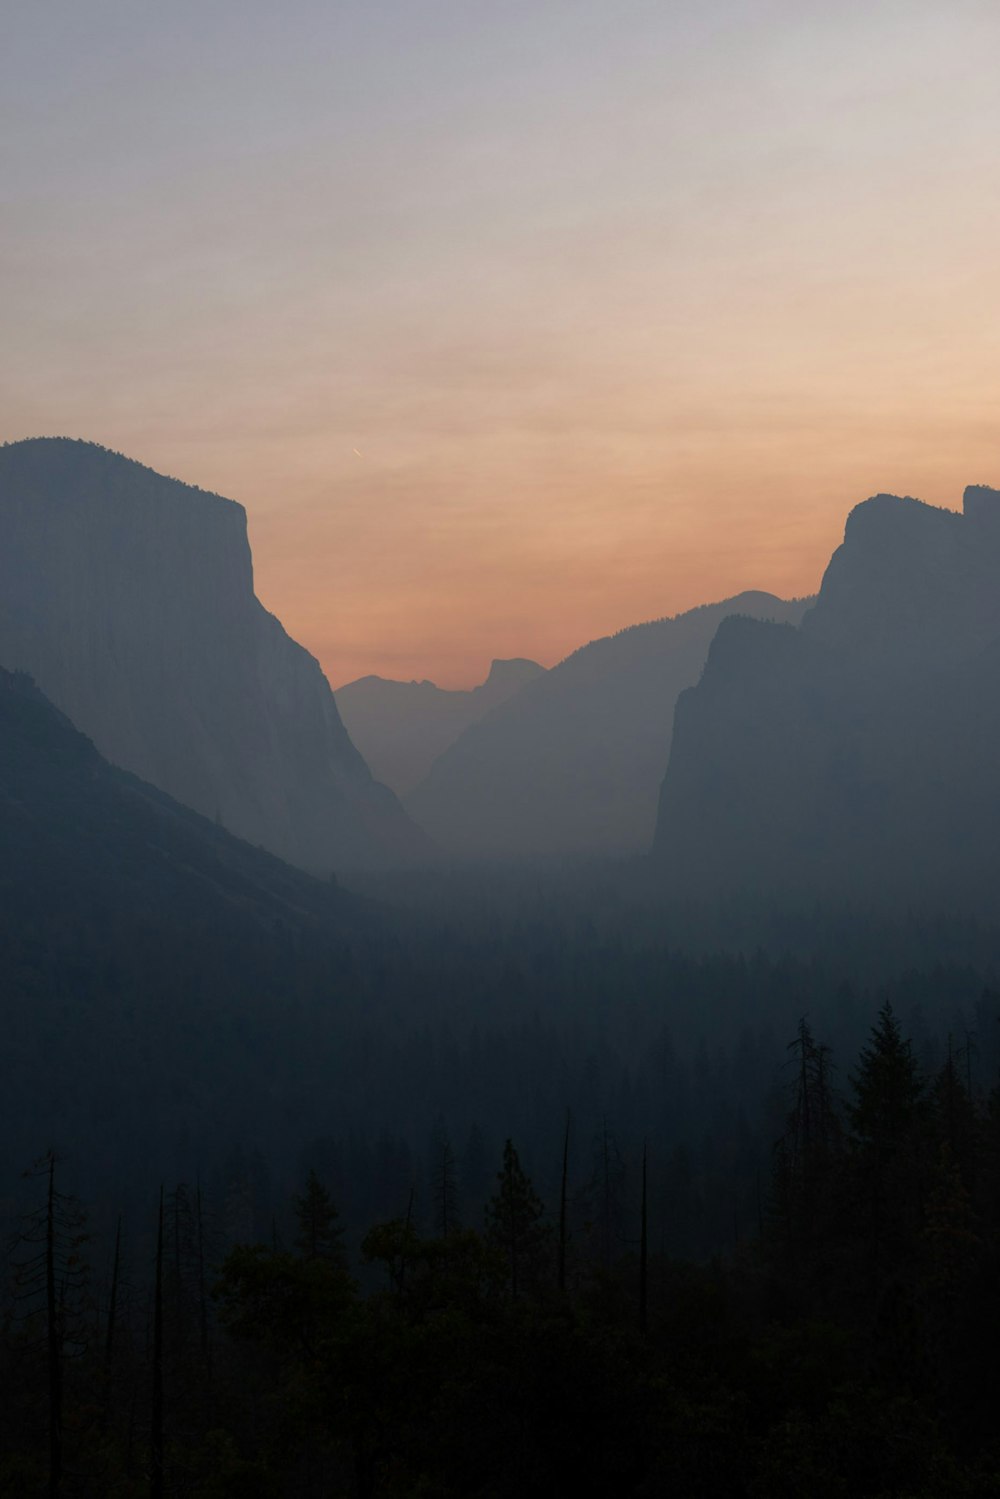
(402, 727)
(129, 598)
(572, 763)
(853, 759)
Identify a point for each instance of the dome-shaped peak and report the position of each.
(76, 451)
(980, 502)
(76, 470)
(513, 669)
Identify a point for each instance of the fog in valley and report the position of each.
(563, 1053)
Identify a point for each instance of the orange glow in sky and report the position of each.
(510, 326)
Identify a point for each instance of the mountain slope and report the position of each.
(573, 762)
(154, 970)
(79, 835)
(402, 727)
(853, 759)
(129, 598)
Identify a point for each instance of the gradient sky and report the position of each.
(510, 324)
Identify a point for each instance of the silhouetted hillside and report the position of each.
(573, 763)
(854, 758)
(83, 839)
(178, 1005)
(129, 597)
(402, 727)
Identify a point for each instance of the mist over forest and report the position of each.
(610, 1105)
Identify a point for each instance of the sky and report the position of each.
(510, 324)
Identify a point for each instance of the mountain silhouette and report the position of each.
(853, 758)
(79, 835)
(402, 727)
(129, 598)
(572, 763)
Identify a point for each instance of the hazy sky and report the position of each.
(510, 323)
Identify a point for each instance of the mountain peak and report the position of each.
(402, 727)
(78, 457)
(889, 517)
(512, 669)
(853, 758)
(981, 503)
(129, 597)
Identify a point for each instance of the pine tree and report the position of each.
(808, 1150)
(319, 1235)
(888, 1090)
(888, 1169)
(514, 1223)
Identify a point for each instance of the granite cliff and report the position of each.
(572, 763)
(129, 598)
(854, 758)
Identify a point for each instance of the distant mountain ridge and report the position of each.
(129, 597)
(401, 727)
(572, 763)
(853, 759)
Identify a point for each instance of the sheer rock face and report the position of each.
(402, 727)
(572, 763)
(129, 598)
(912, 581)
(853, 759)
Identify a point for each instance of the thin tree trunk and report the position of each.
(643, 1251)
(607, 1201)
(513, 1229)
(109, 1338)
(202, 1293)
(156, 1432)
(406, 1240)
(53, 1339)
(562, 1209)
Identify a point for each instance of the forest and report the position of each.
(514, 1180)
(842, 1344)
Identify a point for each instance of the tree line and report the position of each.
(844, 1345)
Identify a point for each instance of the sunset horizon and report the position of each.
(510, 331)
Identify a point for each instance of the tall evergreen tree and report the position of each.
(808, 1150)
(514, 1223)
(319, 1233)
(888, 1116)
(889, 1093)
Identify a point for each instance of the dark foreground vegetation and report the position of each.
(844, 1346)
(750, 1269)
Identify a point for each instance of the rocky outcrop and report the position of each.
(572, 763)
(853, 759)
(129, 598)
(911, 581)
(402, 727)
